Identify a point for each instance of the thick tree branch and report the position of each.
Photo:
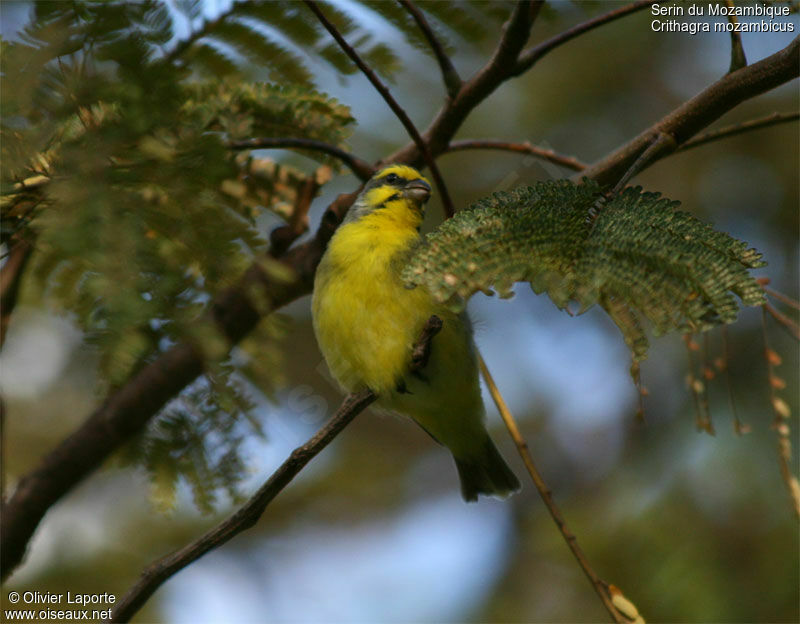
(447, 203)
(452, 81)
(358, 166)
(703, 109)
(159, 571)
(570, 162)
(529, 58)
(126, 412)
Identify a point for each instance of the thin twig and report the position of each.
(528, 58)
(248, 514)
(662, 143)
(784, 321)
(792, 303)
(600, 586)
(738, 426)
(452, 81)
(570, 162)
(733, 130)
(358, 166)
(447, 203)
(738, 59)
(483, 83)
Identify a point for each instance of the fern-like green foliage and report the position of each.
(142, 214)
(245, 110)
(635, 255)
(196, 440)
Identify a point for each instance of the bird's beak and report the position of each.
(418, 190)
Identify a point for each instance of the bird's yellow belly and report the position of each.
(367, 324)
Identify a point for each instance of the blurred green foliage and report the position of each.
(117, 159)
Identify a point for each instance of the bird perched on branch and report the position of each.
(367, 322)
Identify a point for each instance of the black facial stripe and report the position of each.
(389, 180)
(388, 199)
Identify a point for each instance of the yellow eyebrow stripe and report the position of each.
(404, 171)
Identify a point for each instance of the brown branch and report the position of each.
(246, 516)
(498, 69)
(447, 203)
(358, 166)
(570, 162)
(452, 81)
(600, 586)
(702, 110)
(11, 278)
(507, 62)
(126, 411)
(740, 128)
(530, 57)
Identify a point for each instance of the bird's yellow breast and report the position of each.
(365, 319)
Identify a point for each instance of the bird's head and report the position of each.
(398, 192)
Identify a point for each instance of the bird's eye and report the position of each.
(392, 178)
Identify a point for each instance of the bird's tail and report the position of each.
(487, 474)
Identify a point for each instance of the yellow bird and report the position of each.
(367, 323)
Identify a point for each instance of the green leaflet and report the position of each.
(640, 257)
(244, 110)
